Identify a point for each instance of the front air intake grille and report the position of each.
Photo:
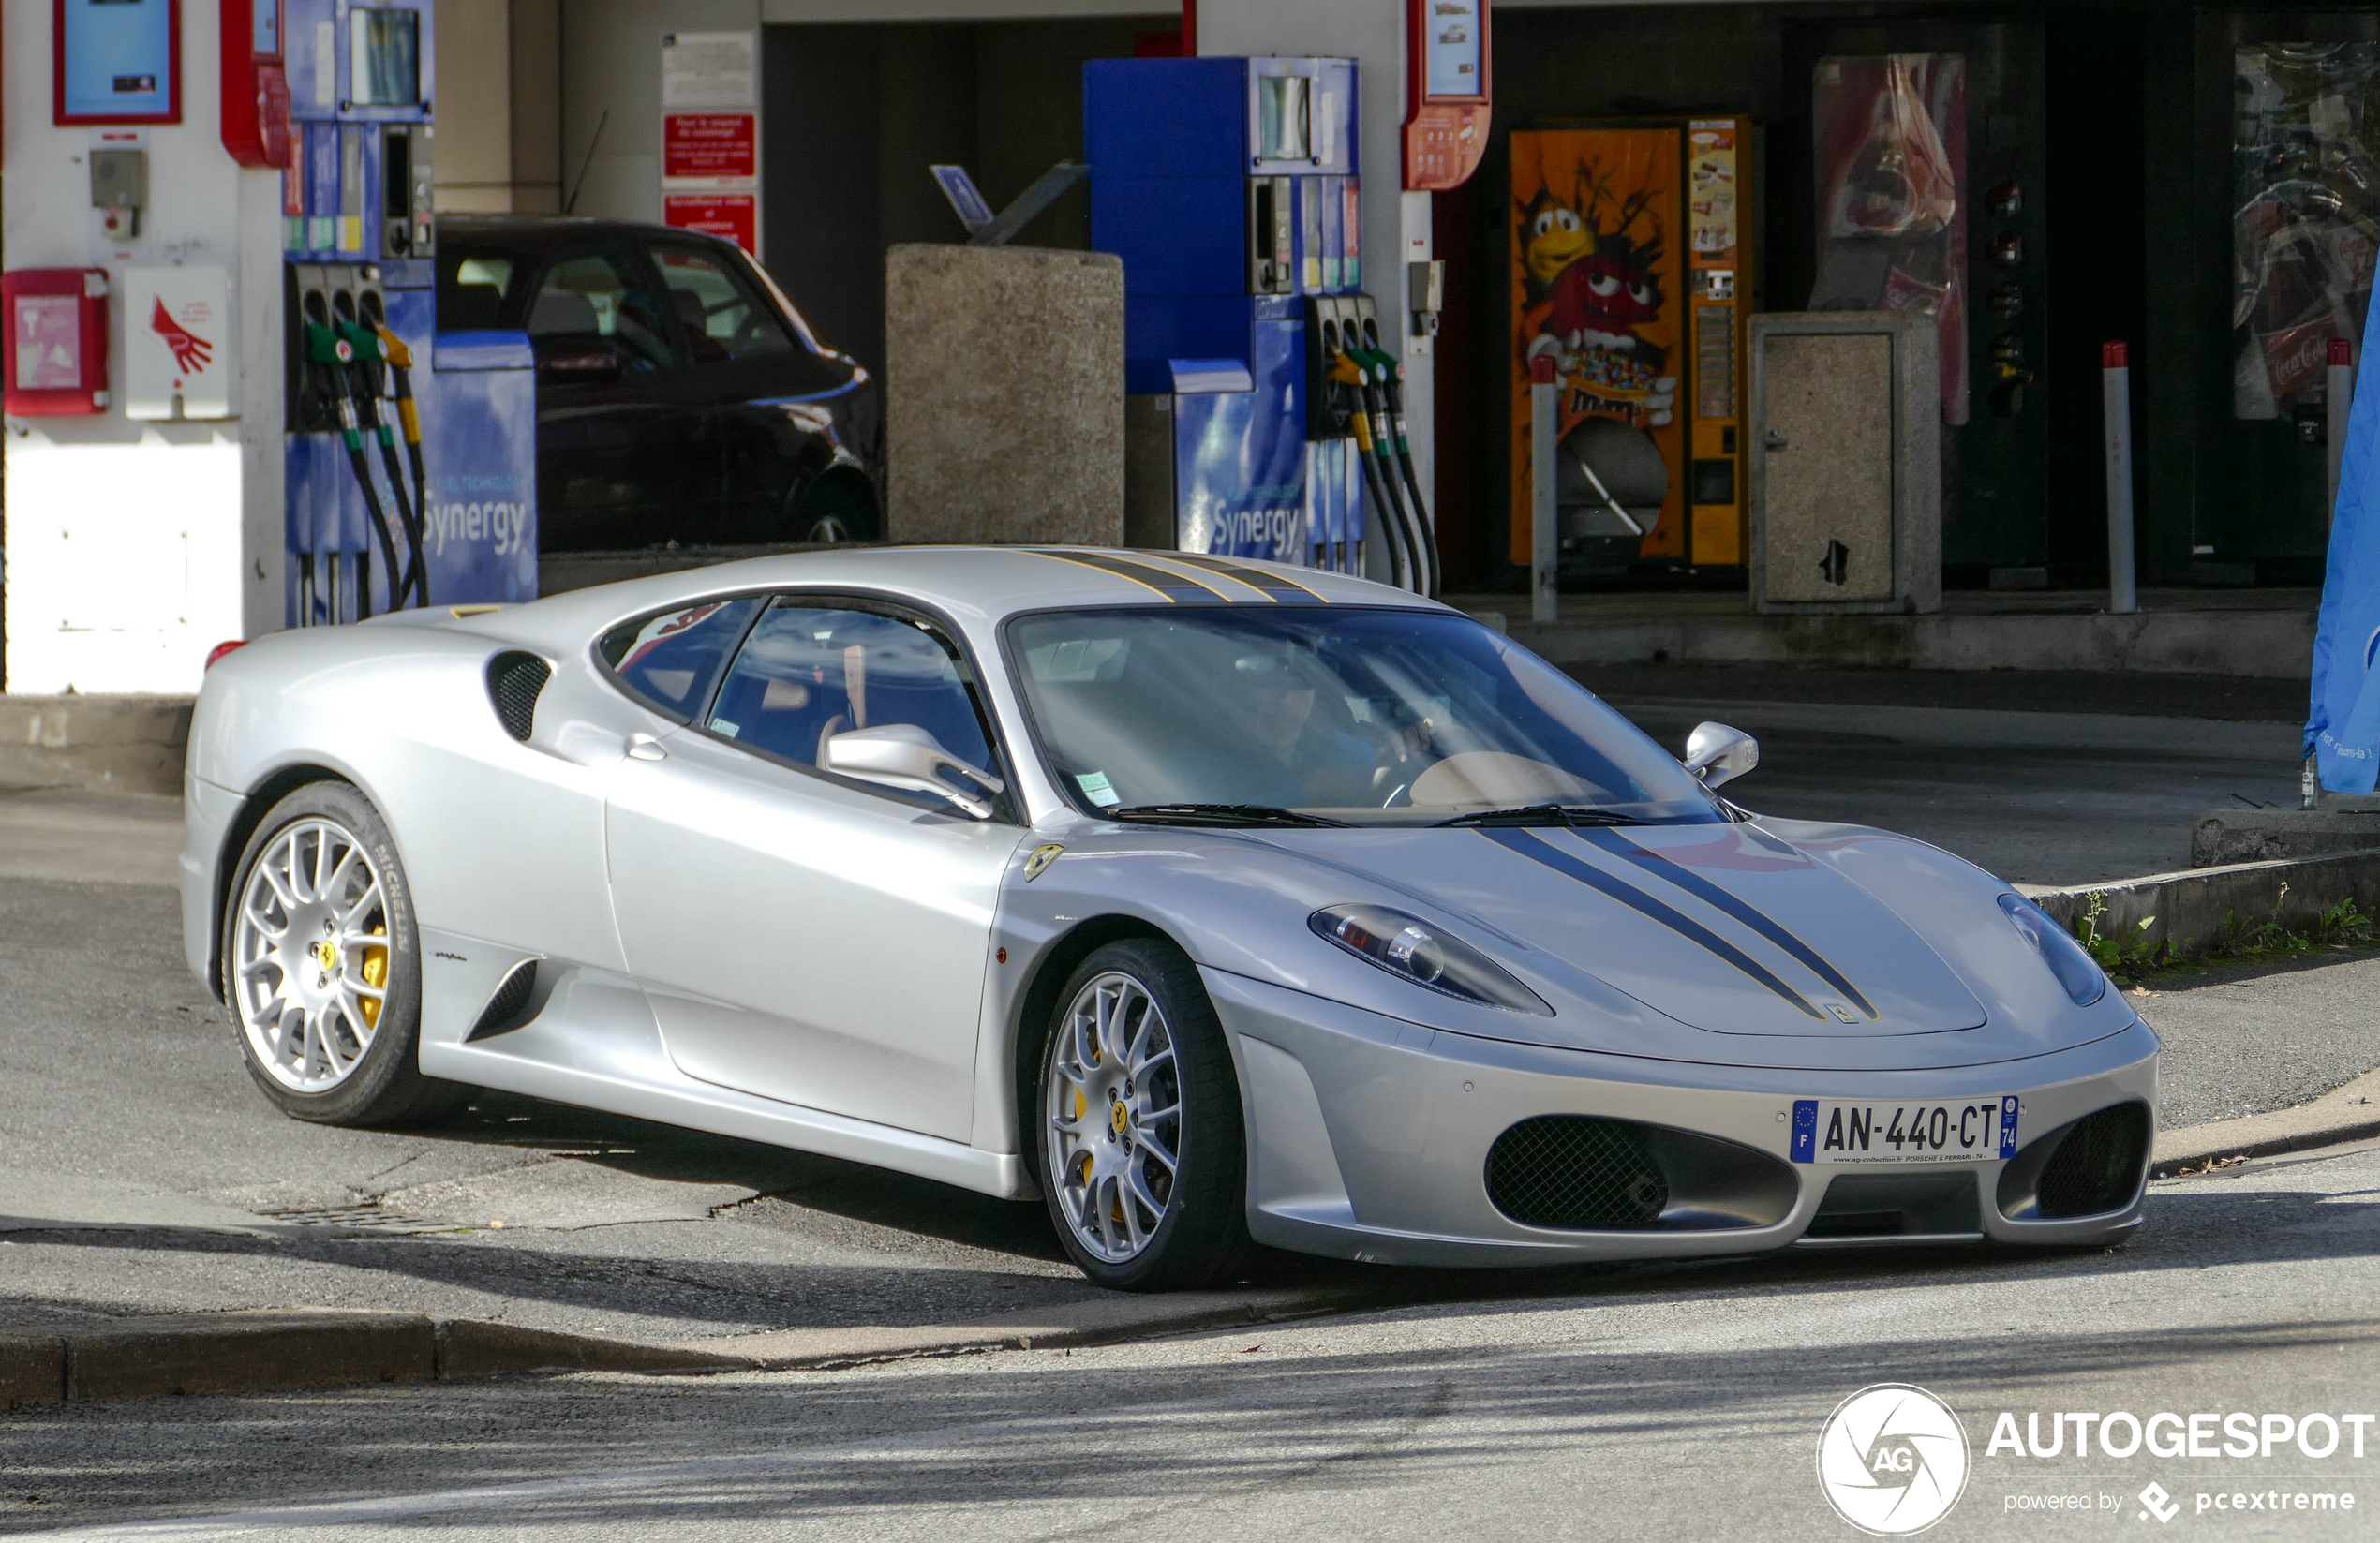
(515, 680)
(1574, 1172)
(2096, 1165)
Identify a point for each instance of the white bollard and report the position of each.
(2339, 396)
(1545, 536)
(2115, 374)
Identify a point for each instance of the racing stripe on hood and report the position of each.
(1710, 894)
(1538, 850)
(1177, 588)
(1261, 580)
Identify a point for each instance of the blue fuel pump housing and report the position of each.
(410, 454)
(1229, 187)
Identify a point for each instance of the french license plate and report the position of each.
(1972, 1130)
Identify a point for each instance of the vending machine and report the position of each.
(1631, 263)
(409, 454)
(1263, 414)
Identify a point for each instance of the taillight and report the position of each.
(222, 648)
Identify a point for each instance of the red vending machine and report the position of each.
(1630, 268)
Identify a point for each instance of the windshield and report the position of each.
(1367, 716)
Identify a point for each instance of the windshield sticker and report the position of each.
(1094, 784)
(721, 725)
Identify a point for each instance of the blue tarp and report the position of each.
(2343, 728)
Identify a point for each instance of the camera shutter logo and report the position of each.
(1893, 1460)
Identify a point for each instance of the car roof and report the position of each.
(976, 585)
(537, 232)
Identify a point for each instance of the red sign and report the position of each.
(735, 215)
(710, 145)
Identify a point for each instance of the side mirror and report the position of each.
(1717, 753)
(903, 755)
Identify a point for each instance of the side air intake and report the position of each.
(515, 681)
(509, 1008)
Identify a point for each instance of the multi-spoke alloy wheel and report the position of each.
(309, 966)
(322, 967)
(1115, 1123)
(1141, 1149)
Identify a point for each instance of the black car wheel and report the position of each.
(1141, 1151)
(835, 511)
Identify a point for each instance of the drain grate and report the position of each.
(369, 1218)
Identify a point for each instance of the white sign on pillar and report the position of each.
(180, 355)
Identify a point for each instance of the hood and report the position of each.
(1721, 927)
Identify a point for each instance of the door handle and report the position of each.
(644, 747)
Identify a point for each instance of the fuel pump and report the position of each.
(452, 513)
(1262, 419)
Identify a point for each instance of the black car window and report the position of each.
(810, 670)
(593, 294)
(671, 658)
(723, 315)
(473, 286)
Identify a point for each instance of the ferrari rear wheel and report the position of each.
(321, 966)
(1142, 1155)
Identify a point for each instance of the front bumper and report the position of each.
(1369, 1136)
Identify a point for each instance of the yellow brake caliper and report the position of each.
(376, 975)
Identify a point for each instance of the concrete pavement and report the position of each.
(1673, 1401)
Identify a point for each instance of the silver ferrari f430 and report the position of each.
(1214, 903)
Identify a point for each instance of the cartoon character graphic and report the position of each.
(1598, 285)
(1553, 236)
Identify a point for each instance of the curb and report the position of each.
(2350, 1113)
(300, 1347)
(254, 1352)
(2191, 904)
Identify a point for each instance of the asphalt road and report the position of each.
(1678, 1401)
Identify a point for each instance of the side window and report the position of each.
(724, 316)
(807, 673)
(593, 295)
(670, 660)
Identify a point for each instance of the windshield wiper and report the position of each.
(1217, 814)
(1544, 814)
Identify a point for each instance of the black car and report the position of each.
(680, 396)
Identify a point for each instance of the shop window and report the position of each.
(2306, 191)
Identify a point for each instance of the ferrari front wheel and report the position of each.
(322, 968)
(1142, 1154)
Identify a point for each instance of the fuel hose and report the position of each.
(1384, 453)
(332, 357)
(365, 373)
(1348, 374)
(408, 419)
(1424, 530)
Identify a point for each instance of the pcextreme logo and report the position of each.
(1893, 1460)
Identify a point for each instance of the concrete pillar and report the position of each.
(1396, 224)
(474, 165)
(133, 547)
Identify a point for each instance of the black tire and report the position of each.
(1202, 1237)
(836, 511)
(384, 1086)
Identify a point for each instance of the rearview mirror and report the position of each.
(1717, 753)
(904, 756)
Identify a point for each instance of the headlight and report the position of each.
(1411, 949)
(2077, 970)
